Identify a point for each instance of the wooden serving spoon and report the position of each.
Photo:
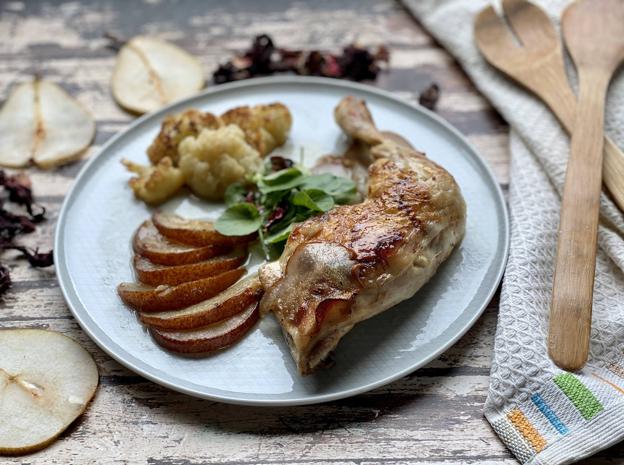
(526, 47)
(593, 31)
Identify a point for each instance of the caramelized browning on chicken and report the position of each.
(356, 261)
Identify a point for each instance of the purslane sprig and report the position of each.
(271, 203)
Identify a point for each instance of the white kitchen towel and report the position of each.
(543, 414)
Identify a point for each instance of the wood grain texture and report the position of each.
(538, 64)
(573, 284)
(431, 416)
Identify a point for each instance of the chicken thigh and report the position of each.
(356, 261)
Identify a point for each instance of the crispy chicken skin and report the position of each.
(356, 261)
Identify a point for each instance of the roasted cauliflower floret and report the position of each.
(175, 128)
(155, 184)
(209, 152)
(215, 159)
(265, 126)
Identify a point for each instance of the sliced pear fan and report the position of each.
(42, 123)
(46, 382)
(150, 73)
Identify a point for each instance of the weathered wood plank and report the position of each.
(433, 415)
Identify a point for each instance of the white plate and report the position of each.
(92, 249)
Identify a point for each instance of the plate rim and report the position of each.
(65, 281)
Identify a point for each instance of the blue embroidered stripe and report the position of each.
(548, 413)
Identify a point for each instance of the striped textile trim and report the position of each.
(613, 385)
(513, 440)
(522, 424)
(565, 403)
(549, 414)
(582, 398)
(616, 370)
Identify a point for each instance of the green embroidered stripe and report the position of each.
(586, 403)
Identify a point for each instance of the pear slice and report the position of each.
(199, 233)
(46, 382)
(150, 73)
(209, 338)
(149, 243)
(156, 275)
(230, 302)
(162, 298)
(42, 123)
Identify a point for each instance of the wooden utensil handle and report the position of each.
(573, 284)
(613, 171)
(554, 90)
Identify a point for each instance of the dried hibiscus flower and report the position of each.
(428, 98)
(35, 258)
(264, 58)
(19, 188)
(279, 163)
(19, 192)
(5, 279)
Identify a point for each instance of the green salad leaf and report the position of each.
(282, 180)
(343, 190)
(271, 203)
(280, 236)
(313, 199)
(240, 219)
(235, 193)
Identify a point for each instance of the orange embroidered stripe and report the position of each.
(617, 388)
(616, 369)
(522, 424)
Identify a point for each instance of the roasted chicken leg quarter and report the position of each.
(356, 261)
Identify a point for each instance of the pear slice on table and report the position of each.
(193, 232)
(46, 382)
(209, 338)
(149, 243)
(150, 73)
(230, 302)
(40, 122)
(162, 298)
(156, 275)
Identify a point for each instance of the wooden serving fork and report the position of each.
(534, 59)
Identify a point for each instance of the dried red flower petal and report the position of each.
(5, 279)
(314, 64)
(261, 54)
(35, 258)
(12, 225)
(358, 64)
(276, 215)
(19, 188)
(250, 197)
(264, 58)
(279, 163)
(429, 97)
